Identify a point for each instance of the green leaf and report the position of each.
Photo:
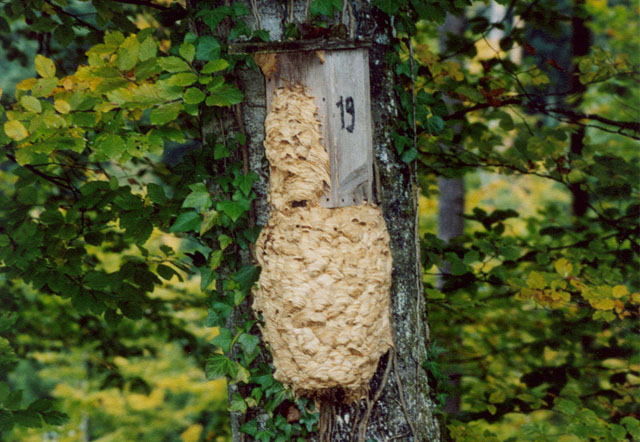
(199, 198)
(224, 241)
(173, 64)
(148, 49)
(209, 220)
(187, 51)
(208, 48)
(28, 418)
(435, 125)
(246, 276)
(245, 182)
(183, 79)
(237, 404)
(164, 114)
(186, 222)
(223, 339)
(55, 418)
(325, 7)
(165, 271)
(248, 342)
(207, 277)
(215, 66)
(389, 7)
(250, 428)
(193, 95)
(128, 54)
(226, 95)
(216, 259)
(45, 67)
(233, 209)
(41, 405)
(156, 193)
(31, 103)
(109, 145)
(218, 366)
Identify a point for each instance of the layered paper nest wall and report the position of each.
(326, 273)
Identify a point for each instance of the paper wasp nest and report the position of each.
(326, 273)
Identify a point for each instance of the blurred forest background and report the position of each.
(525, 141)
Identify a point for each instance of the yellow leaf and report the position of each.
(26, 84)
(563, 267)
(45, 67)
(635, 298)
(0, 92)
(619, 291)
(602, 304)
(62, 106)
(536, 281)
(15, 130)
(191, 434)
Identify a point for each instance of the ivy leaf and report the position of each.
(250, 428)
(224, 241)
(215, 66)
(225, 95)
(389, 7)
(238, 404)
(246, 276)
(209, 220)
(164, 114)
(216, 259)
(219, 366)
(248, 342)
(173, 64)
(233, 209)
(199, 198)
(325, 7)
(208, 48)
(15, 130)
(186, 222)
(223, 339)
(45, 67)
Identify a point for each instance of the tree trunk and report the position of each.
(580, 44)
(451, 200)
(400, 404)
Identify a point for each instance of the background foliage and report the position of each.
(125, 207)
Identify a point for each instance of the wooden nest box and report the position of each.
(336, 74)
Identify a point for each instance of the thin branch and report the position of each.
(58, 181)
(76, 17)
(144, 3)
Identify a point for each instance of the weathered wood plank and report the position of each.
(339, 81)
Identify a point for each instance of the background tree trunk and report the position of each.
(401, 407)
(580, 44)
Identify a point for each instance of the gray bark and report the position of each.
(451, 200)
(404, 407)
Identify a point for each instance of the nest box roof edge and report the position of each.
(297, 46)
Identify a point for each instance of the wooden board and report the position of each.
(339, 81)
